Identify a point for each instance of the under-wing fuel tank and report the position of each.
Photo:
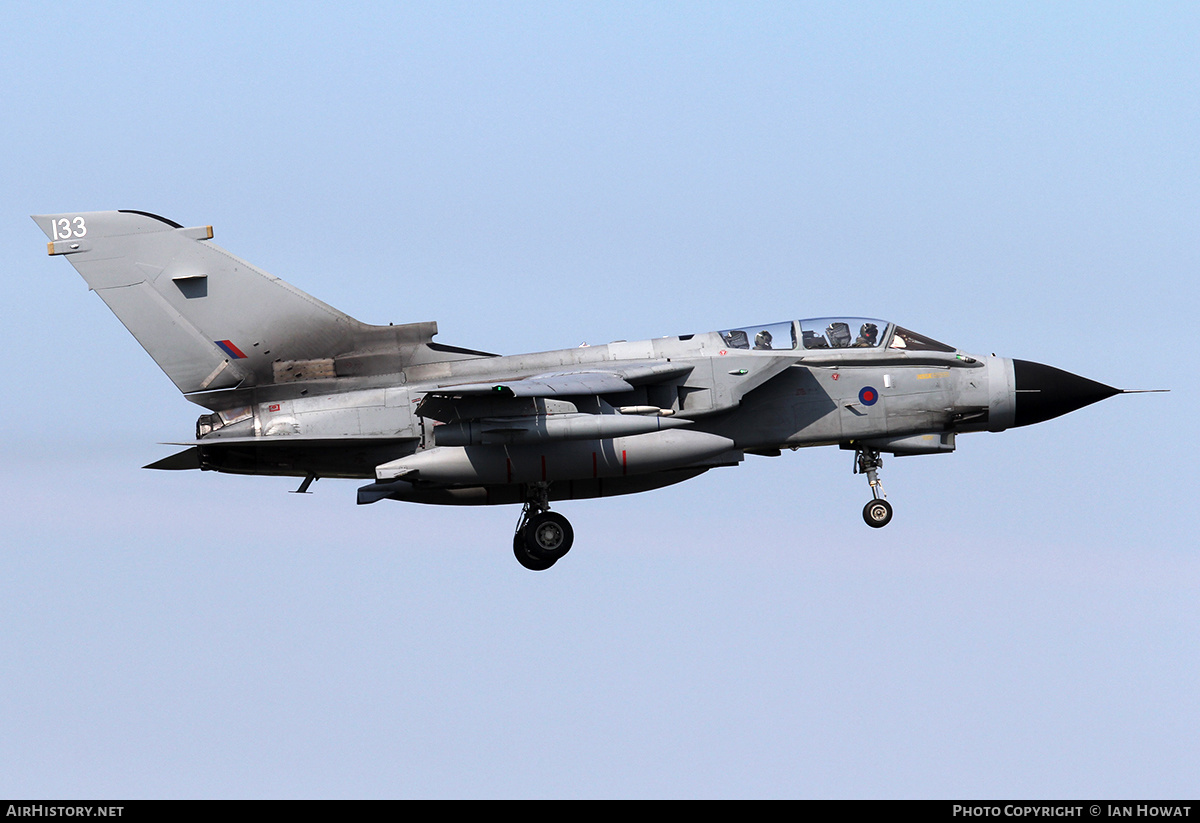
(561, 460)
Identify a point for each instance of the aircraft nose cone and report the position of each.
(1044, 392)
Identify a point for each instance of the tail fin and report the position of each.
(211, 320)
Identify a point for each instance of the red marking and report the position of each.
(273, 407)
(624, 462)
(836, 375)
(723, 352)
(231, 349)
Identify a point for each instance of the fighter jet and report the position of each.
(295, 387)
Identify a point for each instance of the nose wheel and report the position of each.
(878, 512)
(543, 537)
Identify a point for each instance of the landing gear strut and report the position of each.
(542, 536)
(878, 512)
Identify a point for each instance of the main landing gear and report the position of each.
(878, 512)
(542, 536)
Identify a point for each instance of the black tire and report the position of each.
(525, 559)
(548, 536)
(877, 513)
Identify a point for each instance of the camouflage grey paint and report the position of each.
(296, 387)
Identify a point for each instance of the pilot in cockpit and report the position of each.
(868, 336)
(762, 340)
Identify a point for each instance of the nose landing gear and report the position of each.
(543, 537)
(878, 512)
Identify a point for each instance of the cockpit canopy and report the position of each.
(830, 333)
(843, 333)
(777, 336)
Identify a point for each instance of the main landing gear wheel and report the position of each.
(525, 558)
(877, 513)
(543, 537)
(548, 536)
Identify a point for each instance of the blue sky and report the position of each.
(1010, 178)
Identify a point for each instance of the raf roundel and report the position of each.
(868, 396)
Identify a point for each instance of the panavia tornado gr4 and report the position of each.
(295, 387)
